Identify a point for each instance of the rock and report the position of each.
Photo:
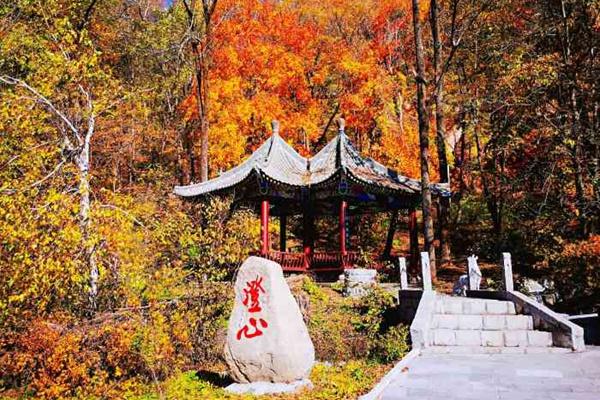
(533, 289)
(544, 292)
(296, 283)
(358, 280)
(261, 388)
(532, 286)
(267, 340)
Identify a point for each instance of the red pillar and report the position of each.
(264, 227)
(343, 207)
(308, 237)
(414, 240)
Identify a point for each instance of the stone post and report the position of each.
(474, 273)
(426, 271)
(508, 275)
(403, 275)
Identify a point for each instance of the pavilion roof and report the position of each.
(276, 161)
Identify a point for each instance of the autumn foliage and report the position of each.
(110, 285)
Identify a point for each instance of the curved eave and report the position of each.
(399, 185)
(276, 163)
(210, 187)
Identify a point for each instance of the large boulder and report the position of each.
(267, 339)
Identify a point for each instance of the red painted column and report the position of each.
(308, 237)
(414, 240)
(343, 207)
(343, 250)
(264, 227)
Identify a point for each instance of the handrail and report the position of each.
(320, 260)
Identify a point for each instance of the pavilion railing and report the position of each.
(290, 262)
(319, 261)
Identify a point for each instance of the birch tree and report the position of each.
(76, 148)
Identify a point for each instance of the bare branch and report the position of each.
(39, 182)
(16, 157)
(17, 82)
(86, 16)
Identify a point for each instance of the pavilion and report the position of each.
(276, 180)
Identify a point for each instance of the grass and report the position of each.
(331, 382)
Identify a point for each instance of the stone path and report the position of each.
(547, 376)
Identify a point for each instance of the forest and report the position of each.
(113, 287)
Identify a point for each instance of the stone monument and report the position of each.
(268, 345)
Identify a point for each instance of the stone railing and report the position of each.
(425, 307)
(417, 305)
(564, 332)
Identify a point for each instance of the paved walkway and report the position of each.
(570, 376)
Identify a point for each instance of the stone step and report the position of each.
(501, 338)
(469, 350)
(463, 305)
(482, 322)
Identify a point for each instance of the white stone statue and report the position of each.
(474, 273)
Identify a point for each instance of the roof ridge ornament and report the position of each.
(341, 123)
(339, 161)
(275, 127)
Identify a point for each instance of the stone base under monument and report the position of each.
(261, 388)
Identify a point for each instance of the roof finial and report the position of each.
(275, 127)
(341, 122)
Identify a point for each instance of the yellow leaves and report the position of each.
(39, 242)
(355, 67)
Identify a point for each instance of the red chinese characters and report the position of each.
(252, 293)
(252, 302)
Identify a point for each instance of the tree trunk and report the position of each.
(389, 241)
(444, 203)
(83, 164)
(201, 50)
(423, 114)
(491, 200)
(574, 120)
(202, 93)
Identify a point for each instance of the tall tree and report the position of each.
(201, 42)
(423, 117)
(440, 134)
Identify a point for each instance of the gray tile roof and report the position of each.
(279, 162)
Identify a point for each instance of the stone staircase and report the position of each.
(472, 325)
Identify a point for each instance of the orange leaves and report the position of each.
(299, 62)
(586, 249)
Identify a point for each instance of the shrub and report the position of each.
(63, 357)
(577, 274)
(347, 328)
(56, 360)
(342, 381)
(376, 319)
(391, 345)
(329, 323)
